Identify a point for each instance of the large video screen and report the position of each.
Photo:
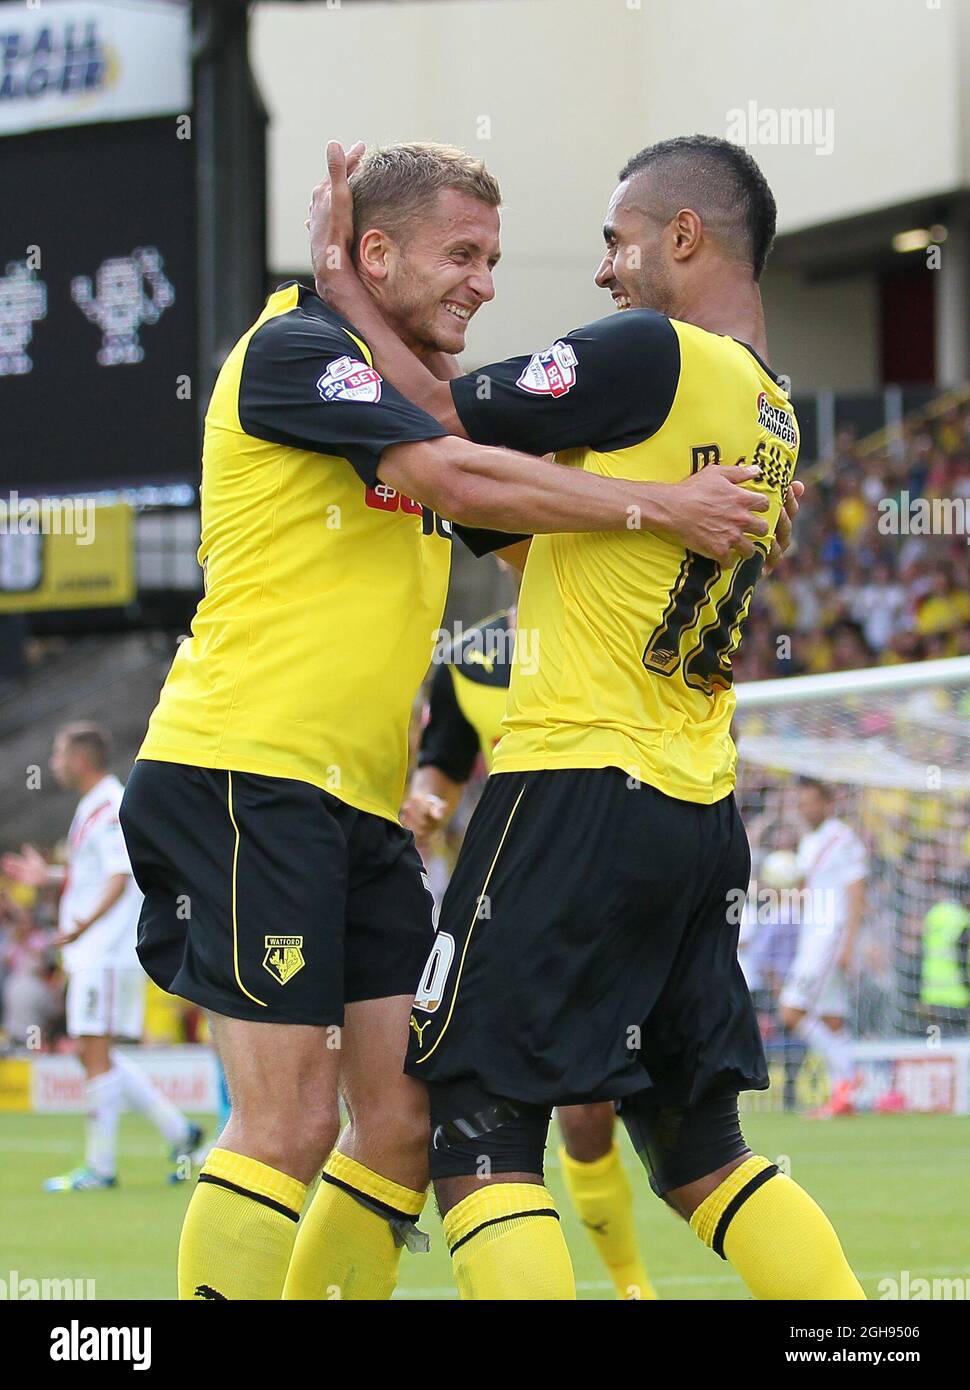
(98, 378)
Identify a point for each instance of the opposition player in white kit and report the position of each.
(814, 1002)
(97, 928)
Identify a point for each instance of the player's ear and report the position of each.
(373, 254)
(686, 229)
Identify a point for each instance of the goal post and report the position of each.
(891, 746)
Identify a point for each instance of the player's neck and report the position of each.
(428, 355)
(733, 308)
(87, 781)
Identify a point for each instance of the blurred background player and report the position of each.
(467, 704)
(832, 867)
(945, 968)
(766, 947)
(97, 924)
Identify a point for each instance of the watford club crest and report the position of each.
(284, 957)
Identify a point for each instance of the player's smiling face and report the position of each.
(442, 274)
(632, 268)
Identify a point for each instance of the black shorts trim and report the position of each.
(235, 923)
(419, 1059)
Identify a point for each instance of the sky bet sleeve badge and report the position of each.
(550, 373)
(284, 957)
(348, 379)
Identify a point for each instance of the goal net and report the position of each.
(891, 747)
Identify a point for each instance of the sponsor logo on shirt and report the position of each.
(550, 373)
(777, 421)
(349, 379)
(387, 499)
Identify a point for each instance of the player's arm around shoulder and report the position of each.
(577, 392)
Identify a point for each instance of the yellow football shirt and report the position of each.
(633, 634)
(324, 589)
(469, 691)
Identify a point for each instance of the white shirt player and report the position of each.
(96, 853)
(830, 859)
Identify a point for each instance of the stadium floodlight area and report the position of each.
(892, 747)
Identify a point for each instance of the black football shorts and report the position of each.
(269, 899)
(587, 947)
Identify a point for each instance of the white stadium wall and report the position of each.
(823, 335)
(556, 94)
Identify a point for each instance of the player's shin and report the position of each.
(507, 1244)
(105, 1102)
(500, 1222)
(239, 1230)
(777, 1238)
(349, 1245)
(601, 1193)
(142, 1095)
(833, 1046)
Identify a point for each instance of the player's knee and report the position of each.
(399, 1122)
(684, 1148)
(476, 1134)
(294, 1139)
(587, 1130)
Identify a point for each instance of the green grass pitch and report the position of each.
(896, 1187)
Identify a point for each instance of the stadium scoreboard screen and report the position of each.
(97, 247)
(97, 308)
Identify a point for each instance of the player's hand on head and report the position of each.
(783, 531)
(716, 517)
(331, 220)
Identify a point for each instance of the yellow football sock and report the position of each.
(780, 1242)
(239, 1229)
(506, 1243)
(601, 1193)
(345, 1249)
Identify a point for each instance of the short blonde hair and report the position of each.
(395, 184)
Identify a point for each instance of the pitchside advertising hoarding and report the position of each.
(97, 247)
(55, 1083)
(926, 1080)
